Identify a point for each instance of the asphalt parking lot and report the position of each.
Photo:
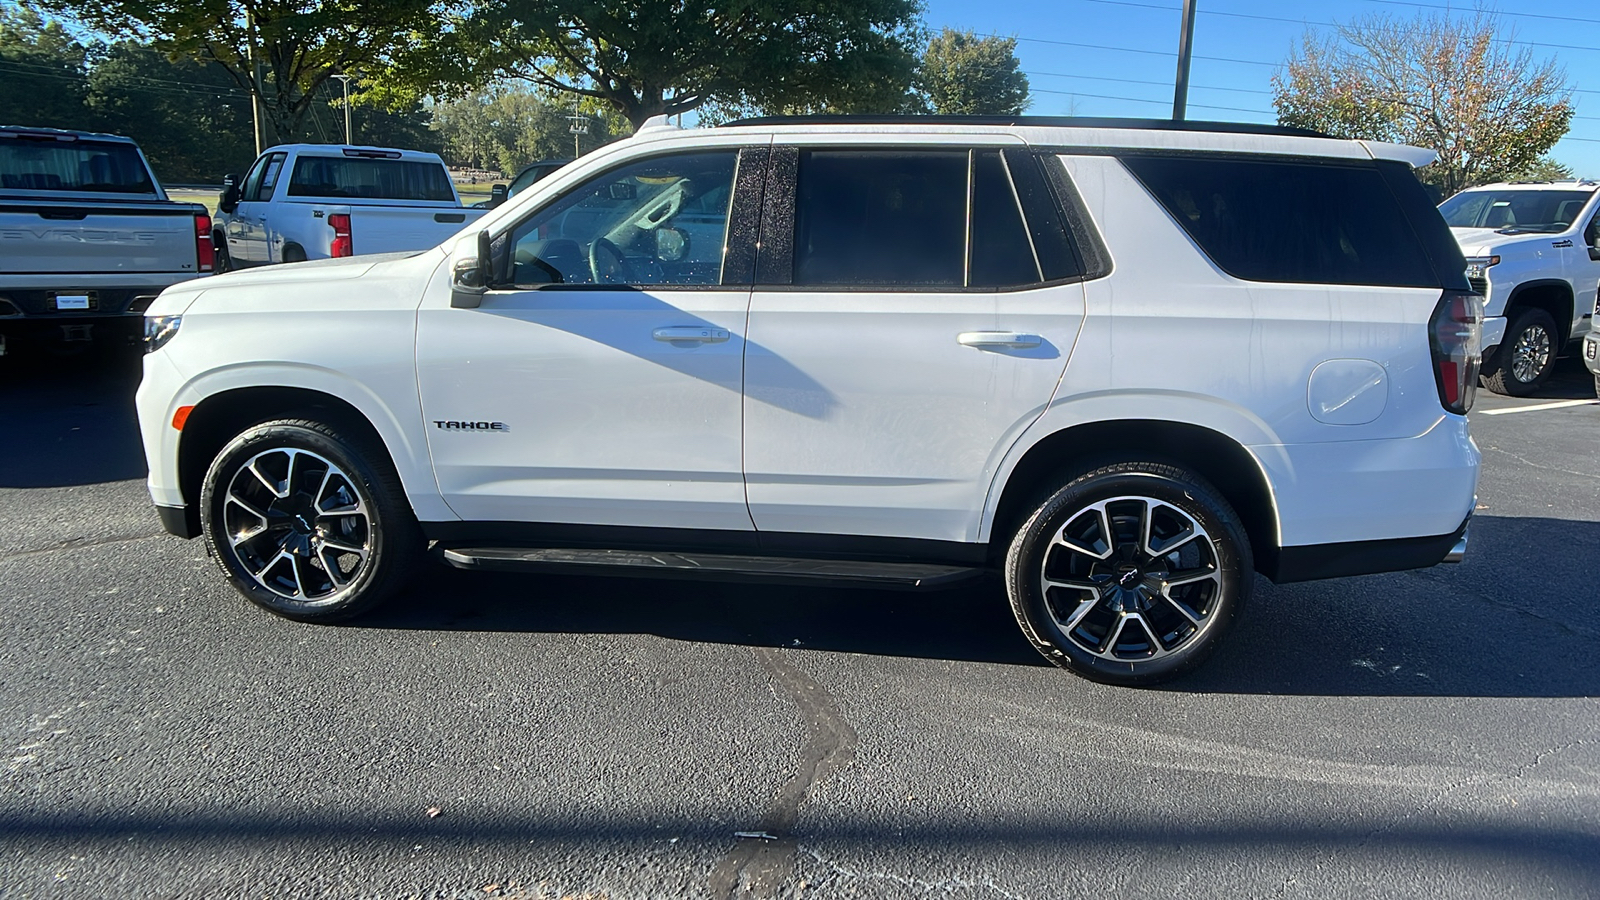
(1423, 734)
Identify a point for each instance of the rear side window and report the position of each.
(881, 218)
(46, 164)
(1290, 221)
(370, 179)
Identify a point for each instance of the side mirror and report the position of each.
(469, 277)
(228, 200)
(497, 195)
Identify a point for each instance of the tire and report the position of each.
(221, 262)
(1115, 616)
(293, 253)
(266, 533)
(1526, 357)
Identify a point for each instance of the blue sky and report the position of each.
(1064, 49)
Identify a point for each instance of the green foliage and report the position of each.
(300, 44)
(642, 58)
(1542, 169)
(1433, 81)
(965, 75)
(507, 127)
(43, 70)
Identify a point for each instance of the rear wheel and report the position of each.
(309, 521)
(1526, 357)
(1129, 574)
(220, 260)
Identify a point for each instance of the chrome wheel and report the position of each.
(1131, 578)
(1530, 355)
(298, 524)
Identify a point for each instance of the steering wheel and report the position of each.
(607, 264)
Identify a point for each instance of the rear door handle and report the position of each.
(1008, 339)
(690, 334)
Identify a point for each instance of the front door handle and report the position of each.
(690, 334)
(1008, 339)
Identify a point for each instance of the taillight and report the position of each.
(205, 255)
(1455, 334)
(342, 245)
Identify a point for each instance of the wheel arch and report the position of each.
(1552, 295)
(217, 419)
(1215, 456)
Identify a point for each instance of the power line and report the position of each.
(1249, 62)
(1139, 81)
(1522, 14)
(1156, 102)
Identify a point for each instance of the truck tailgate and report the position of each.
(88, 237)
(381, 229)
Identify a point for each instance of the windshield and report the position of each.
(1515, 211)
(371, 179)
(31, 164)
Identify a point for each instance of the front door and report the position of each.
(599, 381)
(913, 324)
(247, 224)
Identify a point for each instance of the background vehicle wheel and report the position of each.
(1525, 357)
(294, 253)
(309, 521)
(1129, 574)
(220, 260)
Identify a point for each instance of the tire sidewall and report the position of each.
(1163, 483)
(1525, 320)
(284, 435)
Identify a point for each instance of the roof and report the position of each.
(62, 134)
(1536, 186)
(1036, 122)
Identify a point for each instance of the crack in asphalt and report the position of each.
(757, 869)
(78, 544)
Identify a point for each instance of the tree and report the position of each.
(300, 44)
(43, 69)
(506, 127)
(1542, 169)
(965, 75)
(1450, 84)
(643, 58)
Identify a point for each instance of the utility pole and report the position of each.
(349, 137)
(255, 77)
(580, 126)
(1180, 92)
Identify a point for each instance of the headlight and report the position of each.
(158, 330)
(1477, 264)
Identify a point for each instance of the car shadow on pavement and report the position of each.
(1496, 625)
(70, 420)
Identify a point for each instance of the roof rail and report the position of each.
(1035, 121)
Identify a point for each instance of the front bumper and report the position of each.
(1591, 352)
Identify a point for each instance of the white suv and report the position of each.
(1127, 364)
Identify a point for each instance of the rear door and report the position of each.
(599, 382)
(908, 323)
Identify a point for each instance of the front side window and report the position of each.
(252, 180)
(1290, 221)
(660, 221)
(269, 177)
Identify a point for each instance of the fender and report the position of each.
(1229, 420)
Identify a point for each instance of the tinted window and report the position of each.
(1514, 211)
(372, 179)
(30, 164)
(1266, 220)
(660, 221)
(252, 180)
(881, 218)
(1001, 251)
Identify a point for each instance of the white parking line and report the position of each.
(1559, 404)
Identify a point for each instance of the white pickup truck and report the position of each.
(319, 201)
(87, 237)
(1532, 253)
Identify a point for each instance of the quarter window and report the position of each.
(1289, 221)
(657, 222)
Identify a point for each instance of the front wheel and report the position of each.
(1526, 357)
(309, 521)
(1129, 574)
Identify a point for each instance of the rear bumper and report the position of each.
(1317, 561)
(179, 520)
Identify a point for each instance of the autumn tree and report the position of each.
(299, 44)
(963, 74)
(1455, 85)
(643, 58)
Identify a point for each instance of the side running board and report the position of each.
(708, 566)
